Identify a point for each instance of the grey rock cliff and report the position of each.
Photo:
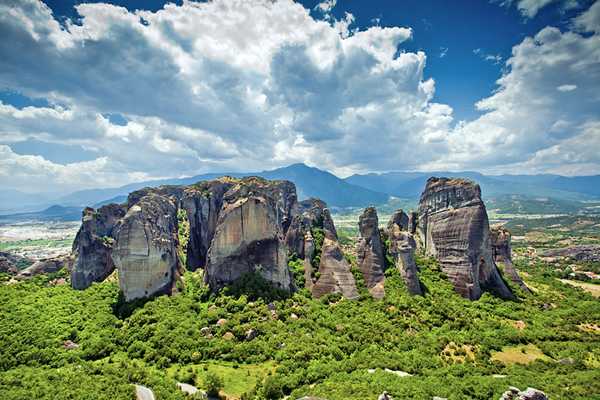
(454, 228)
(145, 250)
(502, 250)
(250, 234)
(93, 245)
(370, 253)
(335, 275)
(402, 247)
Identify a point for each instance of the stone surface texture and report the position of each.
(402, 247)
(370, 253)
(453, 227)
(502, 250)
(93, 245)
(145, 250)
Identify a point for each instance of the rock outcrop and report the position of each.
(584, 252)
(249, 237)
(502, 250)
(93, 245)
(46, 266)
(370, 253)
(202, 203)
(145, 249)
(453, 227)
(402, 247)
(514, 393)
(335, 275)
(8, 263)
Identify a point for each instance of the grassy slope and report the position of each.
(326, 351)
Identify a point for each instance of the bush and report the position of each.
(213, 384)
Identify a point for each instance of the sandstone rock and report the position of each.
(228, 336)
(202, 203)
(402, 249)
(8, 263)
(501, 248)
(514, 393)
(370, 253)
(93, 244)
(400, 218)
(46, 266)
(145, 250)
(584, 252)
(205, 331)
(249, 237)
(454, 228)
(251, 334)
(70, 345)
(335, 274)
(221, 322)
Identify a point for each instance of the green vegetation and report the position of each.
(183, 235)
(303, 346)
(20, 244)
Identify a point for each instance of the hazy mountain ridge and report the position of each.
(354, 191)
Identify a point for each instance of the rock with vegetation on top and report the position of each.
(249, 237)
(145, 250)
(335, 275)
(501, 247)
(93, 245)
(370, 253)
(402, 247)
(454, 228)
(46, 266)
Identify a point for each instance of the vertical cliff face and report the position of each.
(335, 275)
(454, 228)
(402, 247)
(145, 250)
(202, 203)
(93, 245)
(502, 251)
(250, 234)
(370, 253)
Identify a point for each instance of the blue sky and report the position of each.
(98, 95)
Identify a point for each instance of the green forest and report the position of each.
(252, 342)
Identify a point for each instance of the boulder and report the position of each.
(249, 237)
(93, 245)
(501, 248)
(453, 227)
(514, 393)
(145, 249)
(402, 247)
(370, 253)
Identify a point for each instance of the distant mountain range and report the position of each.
(354, 191)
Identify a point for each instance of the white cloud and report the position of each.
(235, 85)
(530, 8)
(533, 113)
(566, 88)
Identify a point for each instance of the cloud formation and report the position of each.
(235, 85)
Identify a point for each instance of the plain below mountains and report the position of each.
(354, 191)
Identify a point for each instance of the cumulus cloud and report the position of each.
(232, 85)
(547, 100)
(530, 8)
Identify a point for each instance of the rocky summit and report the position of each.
(227, 227)
(370, 253)
(401, 248)
(230, 227)
(453, 227)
